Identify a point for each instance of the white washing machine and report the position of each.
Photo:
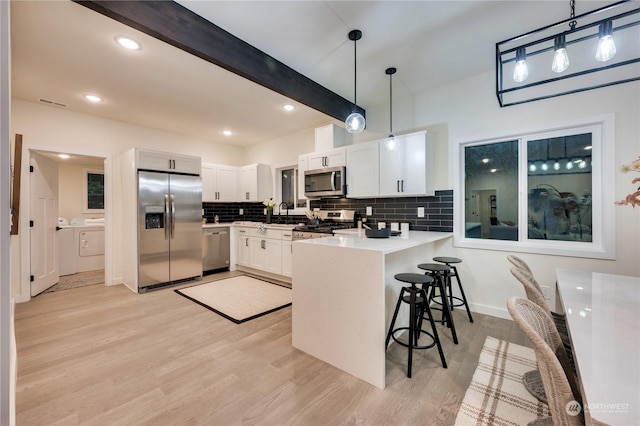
(80, 249)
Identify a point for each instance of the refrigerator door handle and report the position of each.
(173, 215)
(166, 216)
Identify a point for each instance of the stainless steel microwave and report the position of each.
(327, 182)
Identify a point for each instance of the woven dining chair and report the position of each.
(559, 381)
(531, 379)
(559, 319)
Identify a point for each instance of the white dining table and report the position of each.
(603, 318)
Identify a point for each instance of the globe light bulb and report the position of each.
(390, 143)
(544, 167)
(355, 123)
(606, 46)
(532, 167)
(560, 57)
(556, 166)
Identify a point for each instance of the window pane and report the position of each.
(95, 191)
(559, 188)
(491, 191)
(288, 192)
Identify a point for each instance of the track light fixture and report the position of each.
(526, 58)
(355, 122)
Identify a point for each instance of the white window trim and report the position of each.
(603, 175)
(85, 190)
(277, 176)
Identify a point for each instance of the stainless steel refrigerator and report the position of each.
(169, 228)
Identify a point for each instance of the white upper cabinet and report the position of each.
(333, 158)
(255, 182)
(328, 148)
(166, 162)
(409, 168)
(362, 170)
(219, 183)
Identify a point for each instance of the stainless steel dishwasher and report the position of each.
(215, 248)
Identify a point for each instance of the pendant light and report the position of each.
(355, 121)
(560, 57)
(391, 142)
(606, 46)
(521, 71)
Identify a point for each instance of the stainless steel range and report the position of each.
(327, 222)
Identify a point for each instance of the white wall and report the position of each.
(70, 190)
(470, 110)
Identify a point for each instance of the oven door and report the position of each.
(327, 182)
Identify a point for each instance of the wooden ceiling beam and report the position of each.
(174, 24)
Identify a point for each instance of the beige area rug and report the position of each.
(496, 395)
(81, 279)
(240, 298)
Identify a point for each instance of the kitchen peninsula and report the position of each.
(344, 295)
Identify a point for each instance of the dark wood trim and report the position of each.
(15, 189)
(174, 24)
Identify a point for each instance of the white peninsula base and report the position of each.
(344, 295)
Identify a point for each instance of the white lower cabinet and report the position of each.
(265, 250)
(287, 254)
(243, 236)
(270, 251)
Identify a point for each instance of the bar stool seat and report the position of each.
(462, 300)
(440, 274)
(417, 299)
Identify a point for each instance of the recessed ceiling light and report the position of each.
(128, 43)
(288, 107)
(64, 156)
(494, 170)
(485, 160)
(227, 132)
(93, 98)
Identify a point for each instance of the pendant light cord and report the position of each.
(355, 73)
(390, 104)
(572, 24)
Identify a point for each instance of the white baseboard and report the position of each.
(490, 310)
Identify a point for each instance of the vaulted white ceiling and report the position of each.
(62, 50)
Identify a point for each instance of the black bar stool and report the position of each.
(440, 275)
(461, 301)
(418, 306)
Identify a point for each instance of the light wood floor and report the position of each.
(106, 356)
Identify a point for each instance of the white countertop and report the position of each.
(356, 239)
(284, 227)
(603, 318)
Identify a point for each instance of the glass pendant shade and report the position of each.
(606, 46)
(521, 71)
(560, 57)
(355, 122)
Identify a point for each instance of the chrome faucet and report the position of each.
(279, 211)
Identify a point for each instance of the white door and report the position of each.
(44, 214)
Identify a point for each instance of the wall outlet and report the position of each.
(241, 212)
(420, 211)
(546, 291)
(369, 210)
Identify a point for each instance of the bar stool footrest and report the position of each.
(406, 345)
